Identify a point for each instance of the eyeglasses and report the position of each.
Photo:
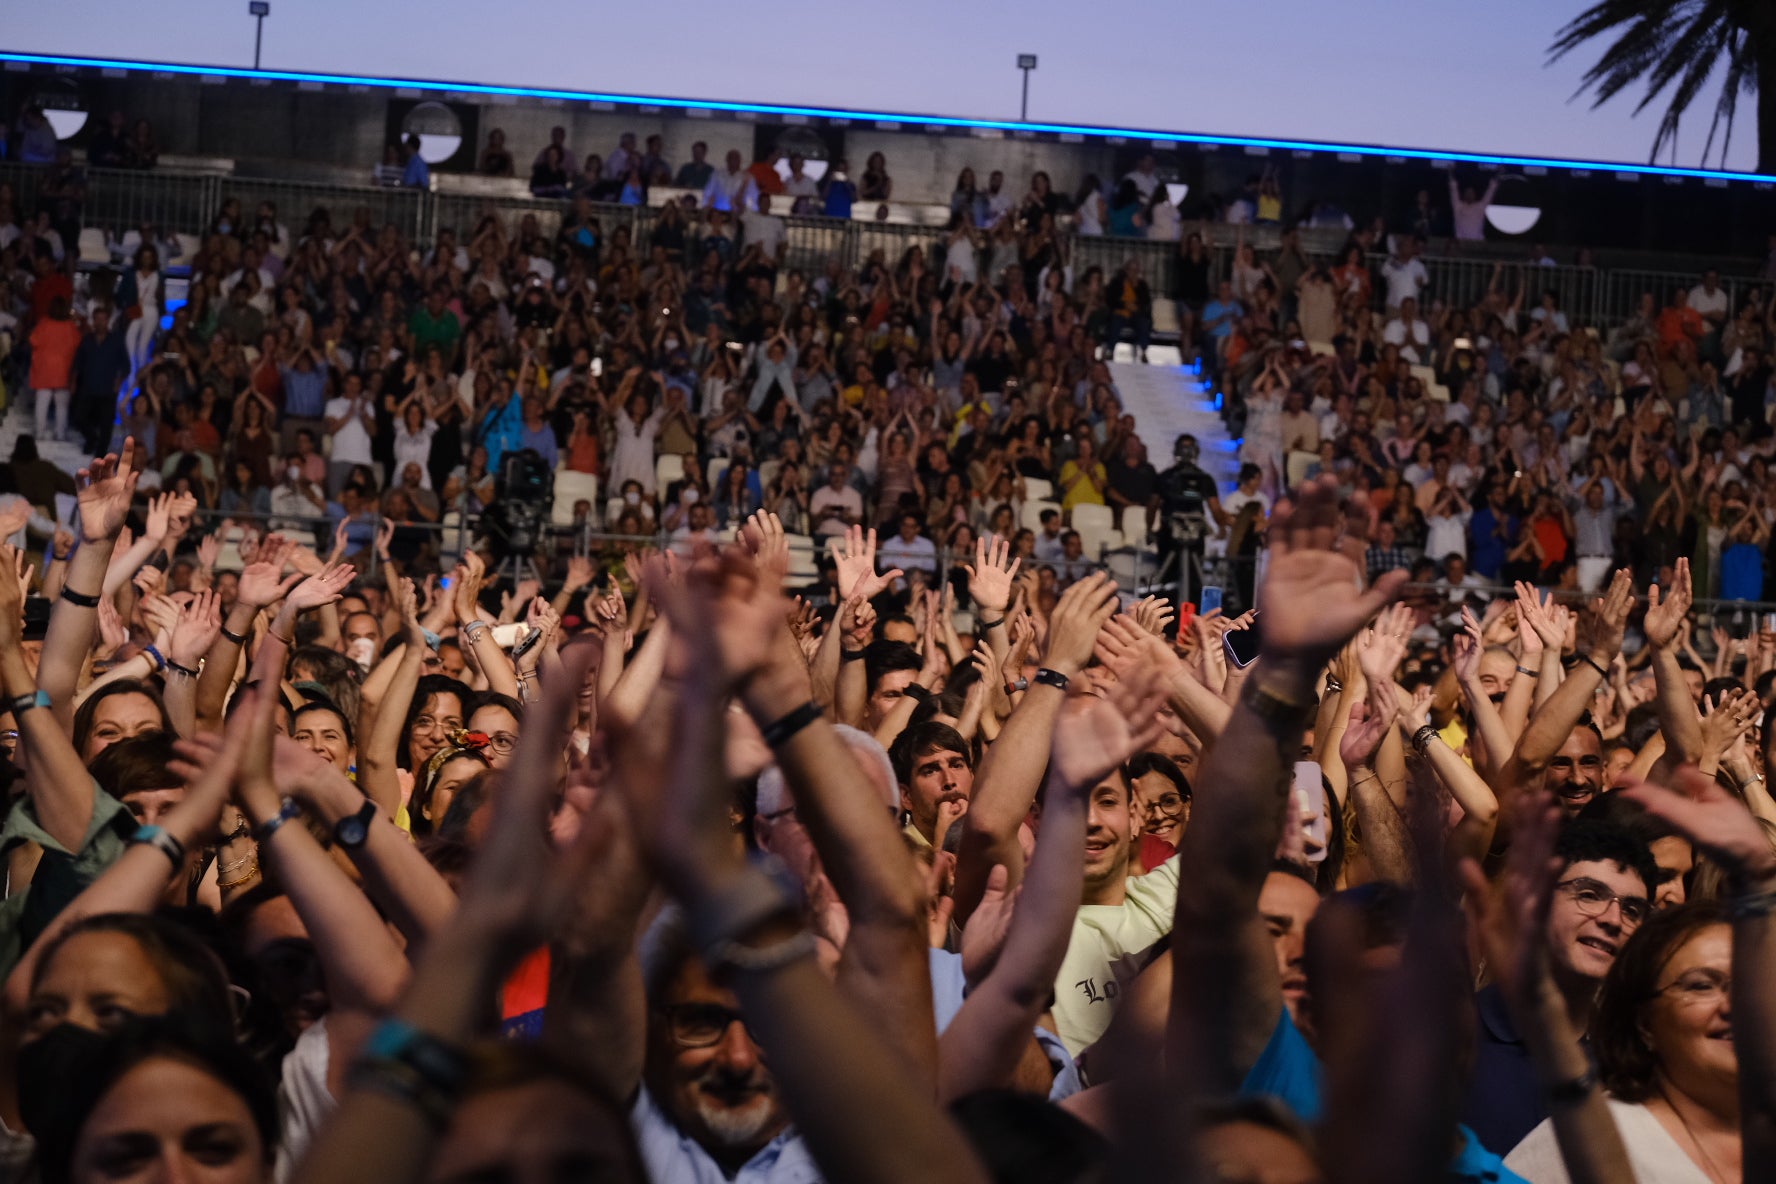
(1594, 899)
(1704, 988)
(427, 723)
(502, 742)
(699, 1025)
(1166, 805)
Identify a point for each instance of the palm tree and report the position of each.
(1679, 43)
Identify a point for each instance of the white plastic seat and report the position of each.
(802, 550)
(1134, 524)
(1036, 487)
(667, 469)
(94, 250)
(1091, 519)
(571, 487)
(613, 509)
(1097, 541)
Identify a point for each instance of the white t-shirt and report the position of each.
(1110, 945)
(351, 442)
(921, 553)
(1654, 1155)
(1406, 278)
(1413, 337)
(763, 230)
(1704, 303)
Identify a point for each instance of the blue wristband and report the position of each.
(158, 838)
(160, 662)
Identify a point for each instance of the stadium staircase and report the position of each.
(65, 455)
(1169, 400)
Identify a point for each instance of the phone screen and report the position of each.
(1242, 644)
(1308, 796)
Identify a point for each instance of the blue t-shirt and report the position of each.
(1742, 572)
(1486, 551)
(1289, 1071)
(1214, 309)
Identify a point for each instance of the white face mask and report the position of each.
(690, 497)
(632, 498)
(361, 650)
(294, 472)
(672, 343)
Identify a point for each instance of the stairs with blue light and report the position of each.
(1170, 400)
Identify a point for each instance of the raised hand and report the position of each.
(1154, 614)
(764, 534)
(13, 518)
(726, 611)
(161, 614)
(1312, 604)
(159, 517)
(207, 551)
(856, 562)
(179, 512)
(580, 573)
(198, 626)
(113, 633)
(103, 490)
(1094, 735)
(261, 581)
(1467, 646)
(12, 602)
(1610, 615)
(991, 575)
(324, 587)
(1368, 727)
(1713, 819)
(1379, 652)
(1511, 919)
(465, 589)
(1073, 632)
(1725, 721)
(1667, 608)
(857, 620)
(340, 542)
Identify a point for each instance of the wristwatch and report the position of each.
(351, 831)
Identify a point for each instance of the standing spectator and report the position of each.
(496, 158)
(305, 394)
(840, 191)
(1404, 273)
(54, 341)
(36, 140)
(351, 421)
(1468, 209)
(622, 158)
(799, 187)
(876, 184)
(109, 147)
(415, 173)
(731, 189)
(1711, 303)
(1144, 176)
(101, 366)
(537, 435)
(139, 295)
(143, 148)
(695, 172)
(1131, 308)
(557, 139)
(549, 176)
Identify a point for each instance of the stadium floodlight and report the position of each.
(1026, 63)
(258, 10)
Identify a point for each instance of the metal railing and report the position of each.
(186, 202)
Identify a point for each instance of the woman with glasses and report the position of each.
(497, 717)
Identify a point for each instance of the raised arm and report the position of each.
(1092, 737)
(1011, 772)
(1678, 721)
(1224, 1011)
(103, 491)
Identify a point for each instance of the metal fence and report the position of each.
(186, 202)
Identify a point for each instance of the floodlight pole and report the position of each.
(1026, 62)
(259, 10)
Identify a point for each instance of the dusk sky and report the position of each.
(1396, 72)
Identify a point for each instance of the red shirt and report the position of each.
(46, 289)
(53, 344)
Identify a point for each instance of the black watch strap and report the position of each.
(353, 830)
(1052, 678)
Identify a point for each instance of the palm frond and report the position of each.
(1670, 48)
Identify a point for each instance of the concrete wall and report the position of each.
(925, 168)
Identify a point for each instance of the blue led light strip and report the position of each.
(474, 88)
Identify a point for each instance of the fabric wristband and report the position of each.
(239, 639)
(984, 623)
(158, 838)
(187, 671)
(846, 655)
(79, 598)
(1588, 660)
(153, 652)
(1528, 671)
(777, 732)
(24, 703)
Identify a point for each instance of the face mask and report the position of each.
(632, 498)
(361, 650)
(690, 497)
(294, 472)
(672, 343)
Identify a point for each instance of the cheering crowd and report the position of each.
(321, 877)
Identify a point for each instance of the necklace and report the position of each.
(1713, 1169)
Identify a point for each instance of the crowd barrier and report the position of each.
(186, 202)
